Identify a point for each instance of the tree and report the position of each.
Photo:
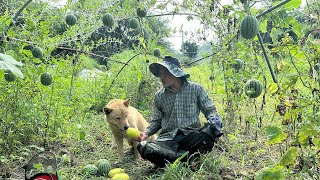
(190, 49)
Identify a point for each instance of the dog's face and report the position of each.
(117, 113)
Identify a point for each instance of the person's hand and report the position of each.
(143, 136)
(215, 120)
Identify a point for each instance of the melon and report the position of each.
(253, 88)
(141, 12)
(238, 64)
(115, 171)
(71, 19)
(104, 166)
(317, 66)
(108, 20)
(211, 77)
(132, 132)
(249, 27)
(157, 52)
(9, 76)
(46, 79)
(37, 52)
(120, 176)
(89, 169)
(134, 23)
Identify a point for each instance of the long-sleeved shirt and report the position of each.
(173, 111)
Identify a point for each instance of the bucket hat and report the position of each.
(172, 64)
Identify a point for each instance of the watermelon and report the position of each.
(157, 52)
(104, 166)
(46, 79)
(238, 64)
(71, 19)
(141, 12)
(134, 23)
(253, 88)
(89, 169)
(37, 52)
(108, 20)
(249, 27)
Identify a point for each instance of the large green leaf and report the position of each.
(292, 4)
(289, 157)
(270, 173)
(275, 135)
(7, 62)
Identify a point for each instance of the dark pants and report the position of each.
(161, 152)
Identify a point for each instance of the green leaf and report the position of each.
(1, 74)
(289, 157)
(82, 135)
(7, 62)
(263, 25)
(270, 173)
(292, 4)
(275, 135)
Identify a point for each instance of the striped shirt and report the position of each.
(173, 111)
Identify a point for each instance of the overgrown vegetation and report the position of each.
(272, 136)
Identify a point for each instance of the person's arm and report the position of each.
(155, 123)
(207, 106)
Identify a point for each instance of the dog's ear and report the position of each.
(127, 102)
(107, 110)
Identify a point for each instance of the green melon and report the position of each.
(141, 12)
(238, 64)
(9, 76)
(89, 169)
(211, 77)
(104, 167)
(71, 19)
(134, 23)
(249, 27)
(157, 52)
(253, 88)
(37, 52)
(108, 20)
(317, 66)
(46, 79)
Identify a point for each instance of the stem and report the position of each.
(127, 63)
(275, 80)
(74, 69)
(273, 8)
(20, 10)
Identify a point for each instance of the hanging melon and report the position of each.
(9, 76)
(37, 52)
(157, 52)
(253, 88)
(71, 19)
(103, 166)
(46, 79)
(238, 64)
(249, 27)
(141, 12)
(134, 23)
(108, 20)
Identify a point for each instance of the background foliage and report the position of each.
(274, 136)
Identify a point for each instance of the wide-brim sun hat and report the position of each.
(173, 66)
